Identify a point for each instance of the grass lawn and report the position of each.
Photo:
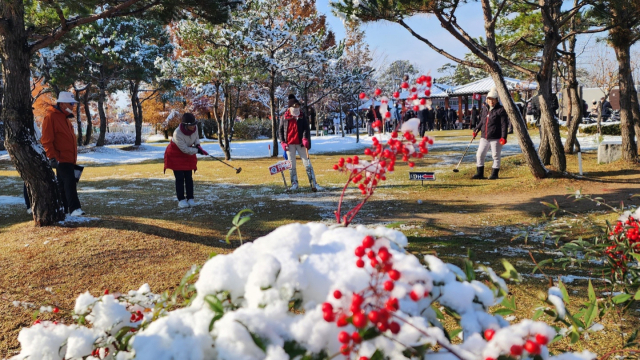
(136, 233)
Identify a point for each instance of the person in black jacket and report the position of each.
(493, 124)
(474, 117)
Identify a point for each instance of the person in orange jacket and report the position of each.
(59, 141)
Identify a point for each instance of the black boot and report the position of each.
(494, 174)
(479, 173)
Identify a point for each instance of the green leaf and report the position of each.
(590, 314)
(565, 294)
(260, 342)
(510, 272)
(468, 270)
(592, 293)
(537, 314)
(503, 312)
(575, 337)
(633, 337)
(369, 333)
(637, 296)
(509, 303)
(243, 220)
(439, 313)
(229, 234)
(239, 214)
(455, 332)
(214, 304)
(416, 351)
(122, 332)
(636, 256)
(377, 355)
(213, 321)
(293, 349)
(619, 299)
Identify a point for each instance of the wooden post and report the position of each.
(460, 108)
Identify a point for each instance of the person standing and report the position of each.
(60, 144)
(350, 121)
(439, 118)
(180, 156)
(295, 137)
(474, 116)
(371, 117)
(493, 125)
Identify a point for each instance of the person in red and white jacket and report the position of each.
(494, 125)
(295, 137)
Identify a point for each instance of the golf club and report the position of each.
(465, 153)
(313, 183)
(236, 169)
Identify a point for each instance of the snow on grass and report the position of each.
(11, 200)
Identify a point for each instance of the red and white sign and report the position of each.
(280, 167)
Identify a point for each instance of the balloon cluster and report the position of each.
(417, 95)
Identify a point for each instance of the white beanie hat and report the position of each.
(66, 97)
(493, 93)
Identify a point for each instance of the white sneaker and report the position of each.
(294, 187)
(183, 204)
(77, 212)
(191, 202)
(319, 188)
(29, 211)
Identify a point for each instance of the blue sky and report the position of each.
(398, 44)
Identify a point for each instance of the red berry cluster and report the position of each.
(623, 232)
(532, 344)
(373, 306)
(96, 353)
(136, 316)
(424, 81)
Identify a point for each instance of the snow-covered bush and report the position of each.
(252, 128)
(118, 138)
(303, 292)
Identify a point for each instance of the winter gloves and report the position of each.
(285, 146)
(201, 151)
(306, 143)
(475, 134)
(503, 141)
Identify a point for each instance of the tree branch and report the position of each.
(60, 32)
(495, 17)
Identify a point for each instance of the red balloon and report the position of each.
(377, 92)
(427, 92)
(423, 101)
(404, 85)
(362, 96)
(428, 78)
(414, 89)
(416, 108)
(396, 94)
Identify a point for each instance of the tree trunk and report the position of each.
(134, 87)
(519, 127)
(87, 114)
(1, 120)
(544, 151)
(635, 111)
(629, 149)
(574, 117)
(103, 116)
(548, 124)
(340, 114)
(78, 118)
(227, 126)
(272, 109)
(26, 153)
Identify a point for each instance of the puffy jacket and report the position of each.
(180, 155)
(58, 137)
(304, 132)
(425, 115)
(493, 123)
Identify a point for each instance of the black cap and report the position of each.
(292, 97)
(189, 119)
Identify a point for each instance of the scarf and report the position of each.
(186, 131)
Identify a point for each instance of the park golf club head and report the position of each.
(238, 170)
(456, 170)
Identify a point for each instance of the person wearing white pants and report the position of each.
(494, 125)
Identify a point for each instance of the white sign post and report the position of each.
(280, 167)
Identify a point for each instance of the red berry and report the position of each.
(359, 251)
(335, 167)
(488, 334)
(328, 316)
(532, 347)
(359, 320)
(374, 262)
(368, 242)
(388, 285)
(106, 291)
(345, 350)
(382, 326)
(396, 94)
(342, 321)
(489, 358)
(363, 358)
(344, 337)
(377, 92)
(356, 337)
(360, 263)
(394, 327)
(516, 350)
(404, 85)
(392, 304)
(416, 108)
(374, 316)
(357, 299)
(541, 339)
(327, 307)
(427, 92)
(56, 310)
(363, 95)
(385, 256)
(355, 308)
(371, 254)
(394, 134)
(36, 322)
(394, 274)
(337, 294)
(411, 164)
(414, 296)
